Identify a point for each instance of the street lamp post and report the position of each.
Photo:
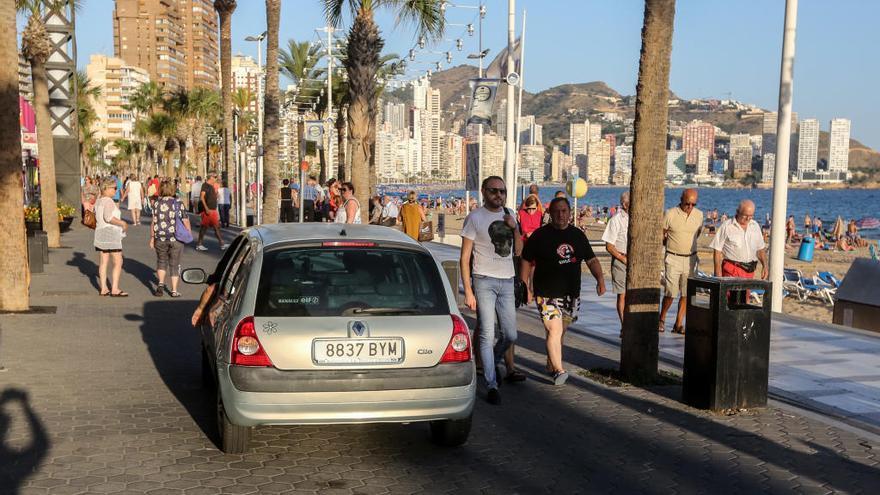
(258, 195)
(510, 150)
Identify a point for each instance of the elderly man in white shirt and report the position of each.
(739, 245)
(615, 237)
(390, 212)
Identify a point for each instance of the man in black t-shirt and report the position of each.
(551, 269)
(208, 212)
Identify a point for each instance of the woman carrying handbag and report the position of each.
(169, 231)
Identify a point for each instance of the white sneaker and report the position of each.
(201, 248)
(223, 247)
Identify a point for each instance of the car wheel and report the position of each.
(451, 432)
(234, 439)
(208, 380)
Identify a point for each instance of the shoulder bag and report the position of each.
(89, 219)
(181, 233)
(520, 290)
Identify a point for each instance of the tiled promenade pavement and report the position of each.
(104, 397)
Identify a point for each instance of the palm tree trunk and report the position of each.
(14, 273)
(271, 117)
(364, 45)
(226, 88)
(638, 356)
(181, 169)
(48, 188)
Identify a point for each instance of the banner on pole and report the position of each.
(472, 172)
(314, 131)
(483, 93)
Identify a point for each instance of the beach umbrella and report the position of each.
(838, 229)
(868, 223)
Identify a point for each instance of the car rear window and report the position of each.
(335, 281)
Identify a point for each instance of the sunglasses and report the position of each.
(496, 190)
(531, 209)
(343, 189)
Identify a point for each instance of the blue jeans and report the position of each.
(494, 296)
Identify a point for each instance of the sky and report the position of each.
(721, 48)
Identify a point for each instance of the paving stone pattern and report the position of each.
(105, 397)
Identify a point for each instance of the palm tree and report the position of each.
(362, 64)
(204, 108)
(638, 356)
(144, 102)
(179, 107)
(36, 46)
(297, 63)
(224, 9)
(271, 116)
(85, 93)
(162, 129)
(14, 274)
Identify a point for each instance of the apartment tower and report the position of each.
(175, 41)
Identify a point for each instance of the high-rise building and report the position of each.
(531, 162)
(175, 41)
(595, 132)
(529, 131)
(740, 155)
(769, 168)
(675, 163)
(612, 141)
(117, 81)
(703, 159)
(493, 155)
(623, 157)
(838, 147)
(808, 147)
(247, 74)
(452, 156)
(697, 135)
(578, 137)
(395, 115)
(558, 163)
(768, 131)
(598, 162)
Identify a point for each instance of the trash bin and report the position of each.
(451, 268)
(35, 254)
(807, 247)
(727, 343)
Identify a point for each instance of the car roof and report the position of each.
(286, 232)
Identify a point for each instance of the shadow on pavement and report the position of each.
(647, 448)
(17, 462)
(175, 346)
(145, 274)
(87, 267)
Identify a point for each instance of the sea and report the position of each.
(827, 204)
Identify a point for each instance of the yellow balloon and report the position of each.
(580, 189)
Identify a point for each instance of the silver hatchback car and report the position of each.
(331, 324)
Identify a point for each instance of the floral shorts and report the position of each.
(558, 307)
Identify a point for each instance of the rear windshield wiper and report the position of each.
(382, 311)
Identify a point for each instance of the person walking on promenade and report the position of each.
(134, 191)
(615, 237)
(411, 216)
(533, 192)
(488, 237)
(682, 225)
(309, 196)
(224, 203)
(350, 210)
(530, 216)
(109, 231)
(210, 217)
(390, 212)
(164, 237)
(195, 194)
(739, 245)
(286, 202)
(152, 191)
(557, 250)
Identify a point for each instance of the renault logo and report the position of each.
(358, 328)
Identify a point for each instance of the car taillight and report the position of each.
(246, 348)
(459, 348)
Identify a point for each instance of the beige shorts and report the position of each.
(678, 269)
(618, 276)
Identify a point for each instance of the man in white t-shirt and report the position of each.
(488, 237)
(615, 237)
(195, 193)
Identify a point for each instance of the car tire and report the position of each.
(451, 432)
(234, 439)
(208, 380)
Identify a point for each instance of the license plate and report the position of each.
(358, 351)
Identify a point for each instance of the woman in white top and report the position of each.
(109, 231)
(350, 211)
(134, 191)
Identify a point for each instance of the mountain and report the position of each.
(555, 108)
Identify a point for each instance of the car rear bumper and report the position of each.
(368, 400)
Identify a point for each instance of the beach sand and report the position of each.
(836, 262)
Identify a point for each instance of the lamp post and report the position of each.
(328, 122)
(480, 55)
(258, 195)
(510, 155)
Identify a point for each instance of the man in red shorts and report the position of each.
(739, 245)
(208, 211)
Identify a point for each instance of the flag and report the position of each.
(498, 68)
(482, 98)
